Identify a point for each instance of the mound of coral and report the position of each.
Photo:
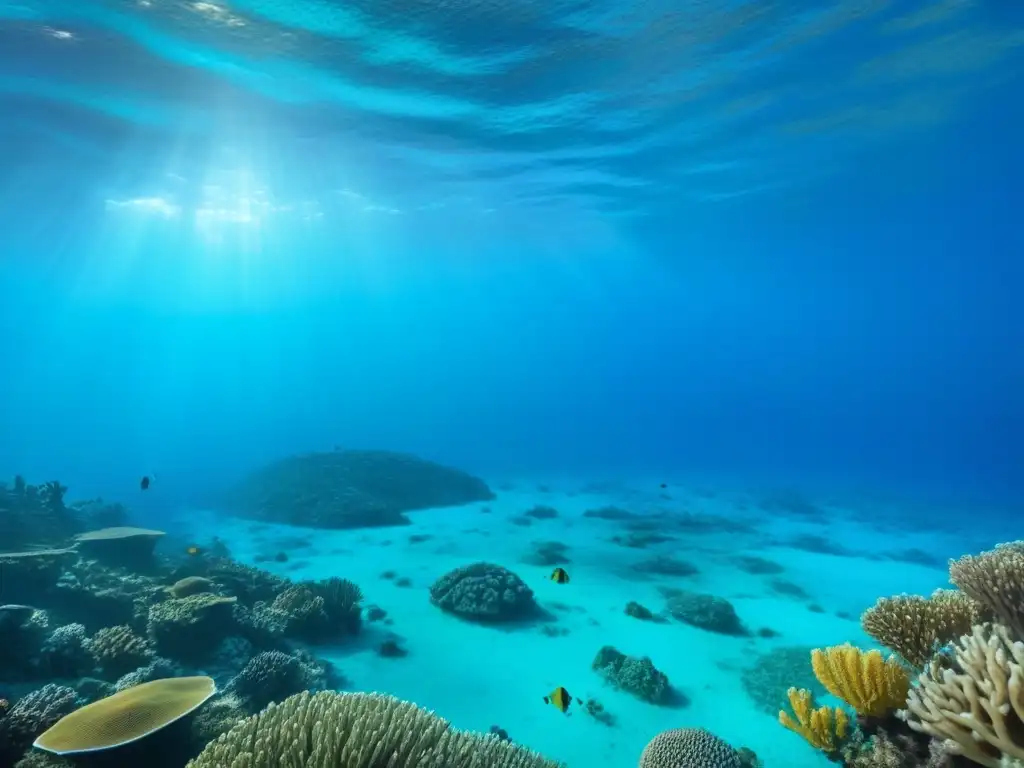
(952, 693)
(351, 489)
(484, 592)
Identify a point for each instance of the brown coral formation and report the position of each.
(915, 627)
(996, 580)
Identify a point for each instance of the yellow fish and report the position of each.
(560, 699)
(193, 550)
(559, 576)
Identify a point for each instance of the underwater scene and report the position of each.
(511, 384)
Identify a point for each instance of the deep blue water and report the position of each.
(579, 238)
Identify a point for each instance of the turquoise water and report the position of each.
(577, 249)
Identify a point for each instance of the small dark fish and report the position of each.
(193, 550)
(664, 485)
(559, 576)
(560, 699)
(144, 485)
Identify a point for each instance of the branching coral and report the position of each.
(996, 580)
(974, 702)
(869, 683)
(823, 728)
(357, 730)
(915, 627)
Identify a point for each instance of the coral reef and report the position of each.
(351, 489)
(484, 592)
(363, 727)
(637, 676)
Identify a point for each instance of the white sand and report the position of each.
(477, 676)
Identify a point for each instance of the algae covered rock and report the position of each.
(635, 675)
(484, 592)
(351, 489)
(709, 612)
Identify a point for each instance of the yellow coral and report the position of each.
(824, 728)
(872, 685)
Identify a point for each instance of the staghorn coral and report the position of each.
(483, 592)
(996, 580)
(870, 684)
(366, 730)
(689, 748)
(342, 604)
(118, 650)
(915, 627)
(823, 728)
(974, 703)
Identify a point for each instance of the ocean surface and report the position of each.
(672, 257)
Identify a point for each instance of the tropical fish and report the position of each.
(560, 699)
(193, 550)
(664, 485)
(559, 576)
(144, 485)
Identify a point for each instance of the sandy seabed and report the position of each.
(477, 676)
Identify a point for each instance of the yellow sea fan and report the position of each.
(871, 684)
(823, 728)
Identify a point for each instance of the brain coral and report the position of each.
(366, 730)
(689, 748)
(485, 592)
